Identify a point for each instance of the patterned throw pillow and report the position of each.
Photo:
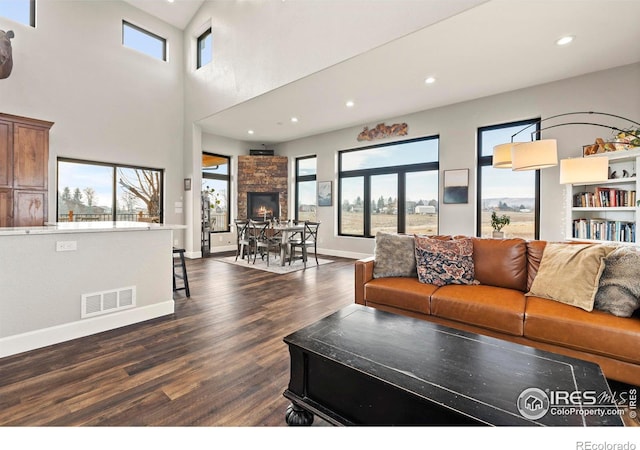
(394, 256)
(444, 262)
(619, 287)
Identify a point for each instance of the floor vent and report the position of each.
(105, 302)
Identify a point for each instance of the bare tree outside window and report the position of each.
(143, 185)
(91, 195)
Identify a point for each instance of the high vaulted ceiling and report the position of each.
(494, 47)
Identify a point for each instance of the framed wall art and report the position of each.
(324, 193)
(456, 186)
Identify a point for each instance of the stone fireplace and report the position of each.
(263, 205)
(263, 176)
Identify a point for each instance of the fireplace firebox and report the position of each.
(263, 205)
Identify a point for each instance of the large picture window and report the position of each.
(512, 193)
(216, 186)
(96, 191)
(306, 188)
(389, 187)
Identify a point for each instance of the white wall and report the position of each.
(615, 91)
(42, 288)
(109, 103)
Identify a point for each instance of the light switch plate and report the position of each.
(66, 246)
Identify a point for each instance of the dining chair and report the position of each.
(307, 239)
(266, 240)
(243, 239)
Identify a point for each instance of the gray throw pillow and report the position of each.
(394, 256)
(619, 287)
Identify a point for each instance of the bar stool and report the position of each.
(180, 264)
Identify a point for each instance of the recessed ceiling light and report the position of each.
(170, 1)
(294, 119)
(430, 80)
(350, 104)
(565, 40)
(250, 131)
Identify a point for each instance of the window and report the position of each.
(93, 191)
(306, 192)
(389, 187)
(514, 193)
(22, 11)
(205, 51)
(216, 185)
(143, 41)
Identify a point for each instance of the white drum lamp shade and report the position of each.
(535, 155)
(502, 156)
(584, 170)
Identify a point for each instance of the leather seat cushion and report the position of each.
(594, 332)
(404, 293)
(488, 307)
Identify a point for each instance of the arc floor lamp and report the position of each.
(543, 153)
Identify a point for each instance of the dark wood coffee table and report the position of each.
(361, 366)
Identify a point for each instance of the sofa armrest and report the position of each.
(364, 274)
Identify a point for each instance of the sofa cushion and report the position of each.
(592, 332)
(501, 262)
(489, 307)
(394, 256)
(569, 273)
(403, 293)
(441, 262)
(619, 288)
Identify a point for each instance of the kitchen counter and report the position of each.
(66, 280)
(88, 227)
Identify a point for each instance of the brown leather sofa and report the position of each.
(498, 307)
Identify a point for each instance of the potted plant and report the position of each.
(498, 223)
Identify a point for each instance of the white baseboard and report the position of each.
(342, 254)
(31, 340)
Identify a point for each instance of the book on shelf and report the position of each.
(604, 230)
(604, 197)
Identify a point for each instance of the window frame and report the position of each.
(484, 161)
(32, 15)
(139, 29)
(114, 193)
(200, 39)
(304, 178)
(400, 171)
(221, 177)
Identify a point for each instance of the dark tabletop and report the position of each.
(479, 376)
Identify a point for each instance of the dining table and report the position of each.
(286, 230)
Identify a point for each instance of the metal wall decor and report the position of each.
(382, 131)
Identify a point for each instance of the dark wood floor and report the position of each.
(218, 361)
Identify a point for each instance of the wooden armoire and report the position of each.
(24, 168)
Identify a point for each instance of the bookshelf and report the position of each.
(607, 211)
